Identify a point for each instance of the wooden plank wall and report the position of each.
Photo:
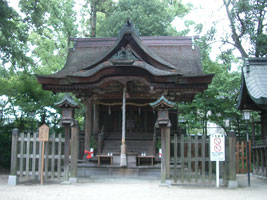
(191, 159)
(29, 157)
(241, 156)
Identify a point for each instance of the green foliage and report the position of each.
(43, 29)
(5, 146)
(151, 17)
(13, 36)
(219, 101)
(55, 15)
(25, 96)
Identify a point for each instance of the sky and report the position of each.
(207, 12)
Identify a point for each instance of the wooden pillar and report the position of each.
(123, 159)
(232, 183)
(96, 119)
(163, 156)
(154, 141)
(264, 125)
(165, 159)
(74, 152)
(66, 153)
(168, 150)
(14, 151)
(88, 123)
(12, 179)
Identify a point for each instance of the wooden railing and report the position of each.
(191, 158)
(26, 156)
(259, 149)
(259, 144)
(241, 156)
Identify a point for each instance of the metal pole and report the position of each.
(248, 161)
(217, 174)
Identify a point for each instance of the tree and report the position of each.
(151, 17)
(248, 24)
(48, 26)
(219, 101)
(94, 8)
(13, 38)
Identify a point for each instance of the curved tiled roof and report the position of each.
(254, 83)
(176, 55)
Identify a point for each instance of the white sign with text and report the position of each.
(217, 147)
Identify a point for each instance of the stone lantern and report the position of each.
(68, 107)
(162, 105)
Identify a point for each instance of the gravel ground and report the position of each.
(130, 189)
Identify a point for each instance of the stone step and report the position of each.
(118, 172)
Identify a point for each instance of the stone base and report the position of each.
(65, 182)
(123, 160)
(12, 180)
(232, 184)
(73, 180)
(167, 183)
(221, 182)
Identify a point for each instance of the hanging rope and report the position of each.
(120, 103)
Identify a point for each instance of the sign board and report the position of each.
(217, 147)
(43, 133)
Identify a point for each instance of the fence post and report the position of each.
(74, 153)
(232, 183)
(12, 179)
(66, 154)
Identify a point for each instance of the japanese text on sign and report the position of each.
(43, 133)
(217, 147)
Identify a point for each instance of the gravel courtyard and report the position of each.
(130, 189)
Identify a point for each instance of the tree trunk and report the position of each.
(235, 36)
(93, 18)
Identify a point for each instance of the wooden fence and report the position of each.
(26, 156)
(241, 156)
(191, 159)
(259, 149)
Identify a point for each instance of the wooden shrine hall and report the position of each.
(117, 78)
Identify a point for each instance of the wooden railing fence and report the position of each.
(241, 156)
(191, 159)
(26, 156)
(259, 149)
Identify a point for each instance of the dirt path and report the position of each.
(130, 189)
